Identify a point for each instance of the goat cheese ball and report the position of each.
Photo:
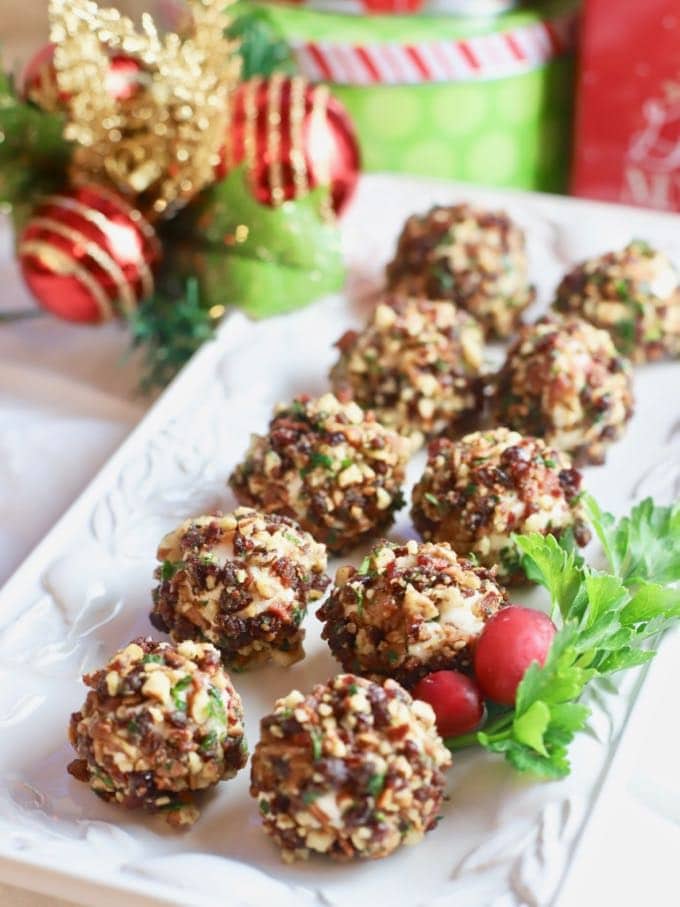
(564, 381)
(352, 769)
(330, 466)
(416, 364)
(474, 258)
(159, 723)
(242, 582)
(634, 294)
(476, 492)
(408, 610)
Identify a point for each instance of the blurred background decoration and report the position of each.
(483, 99)
(232, 199)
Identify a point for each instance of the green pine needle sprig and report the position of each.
(169, 328)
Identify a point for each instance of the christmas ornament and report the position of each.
(124, 78)
(292, 136)
(264, 259)
(161, 149)
(119, 128)
(87, 255)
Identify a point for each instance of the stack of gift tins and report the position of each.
(485, 100)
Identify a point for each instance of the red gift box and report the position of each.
(627, 146)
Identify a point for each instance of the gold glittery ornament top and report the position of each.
(161, 145)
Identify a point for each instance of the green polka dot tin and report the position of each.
(479, 100)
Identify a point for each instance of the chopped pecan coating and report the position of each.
(241, 581)
(353, 769)
(476, 492)
(159, 723)
(474, 258)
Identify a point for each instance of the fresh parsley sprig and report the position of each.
(606, 621)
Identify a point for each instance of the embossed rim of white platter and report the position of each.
(525, 858)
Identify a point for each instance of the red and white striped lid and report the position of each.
(479, 57)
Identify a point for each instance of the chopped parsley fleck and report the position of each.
(170, 568)
(208, 741)
(392, 657)
(152, 659)
(298, 408)
(310, 796)
(364, 566)
(264, 807)
(376, 783)
(216, 705)
(104, 778)
(550, 462)
(432, 498)
(177, 690)
(297, 615)
(133, 727)
(346, 463)
(470, 488)
(292, 538)
(352, 689)
(315, 737)
(317, 460)
(622, 290)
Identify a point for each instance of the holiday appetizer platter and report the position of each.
(223, 639)
(362, 608)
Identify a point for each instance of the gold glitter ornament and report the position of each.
(161, 145)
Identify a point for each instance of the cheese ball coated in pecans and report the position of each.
(416, 364)
(328, 465)
(476, 492)
(634, 294)
(242, 582)
(474, 258)
(409, 610)
(353, 769)
(159, 723)
(564, 381)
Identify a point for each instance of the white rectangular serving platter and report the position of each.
(504, 840)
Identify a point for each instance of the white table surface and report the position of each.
(67, 400)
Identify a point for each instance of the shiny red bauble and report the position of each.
(124, 78)
(511, 640)
(87, 255)
(292, 136)
(455, 699)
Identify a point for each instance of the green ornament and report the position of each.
(264, 260)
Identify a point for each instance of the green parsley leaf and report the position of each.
(644, 546)
(364, 566)
(177, 690)
(546, 562)
(316, 740)
(433, 499)
(216, 705)
(170, 568)
(606, 620)
(208, 741)
(150, 658)
(375, 784)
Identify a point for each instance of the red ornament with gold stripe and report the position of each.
(292, 136)
(124, 79)
(88, 256)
